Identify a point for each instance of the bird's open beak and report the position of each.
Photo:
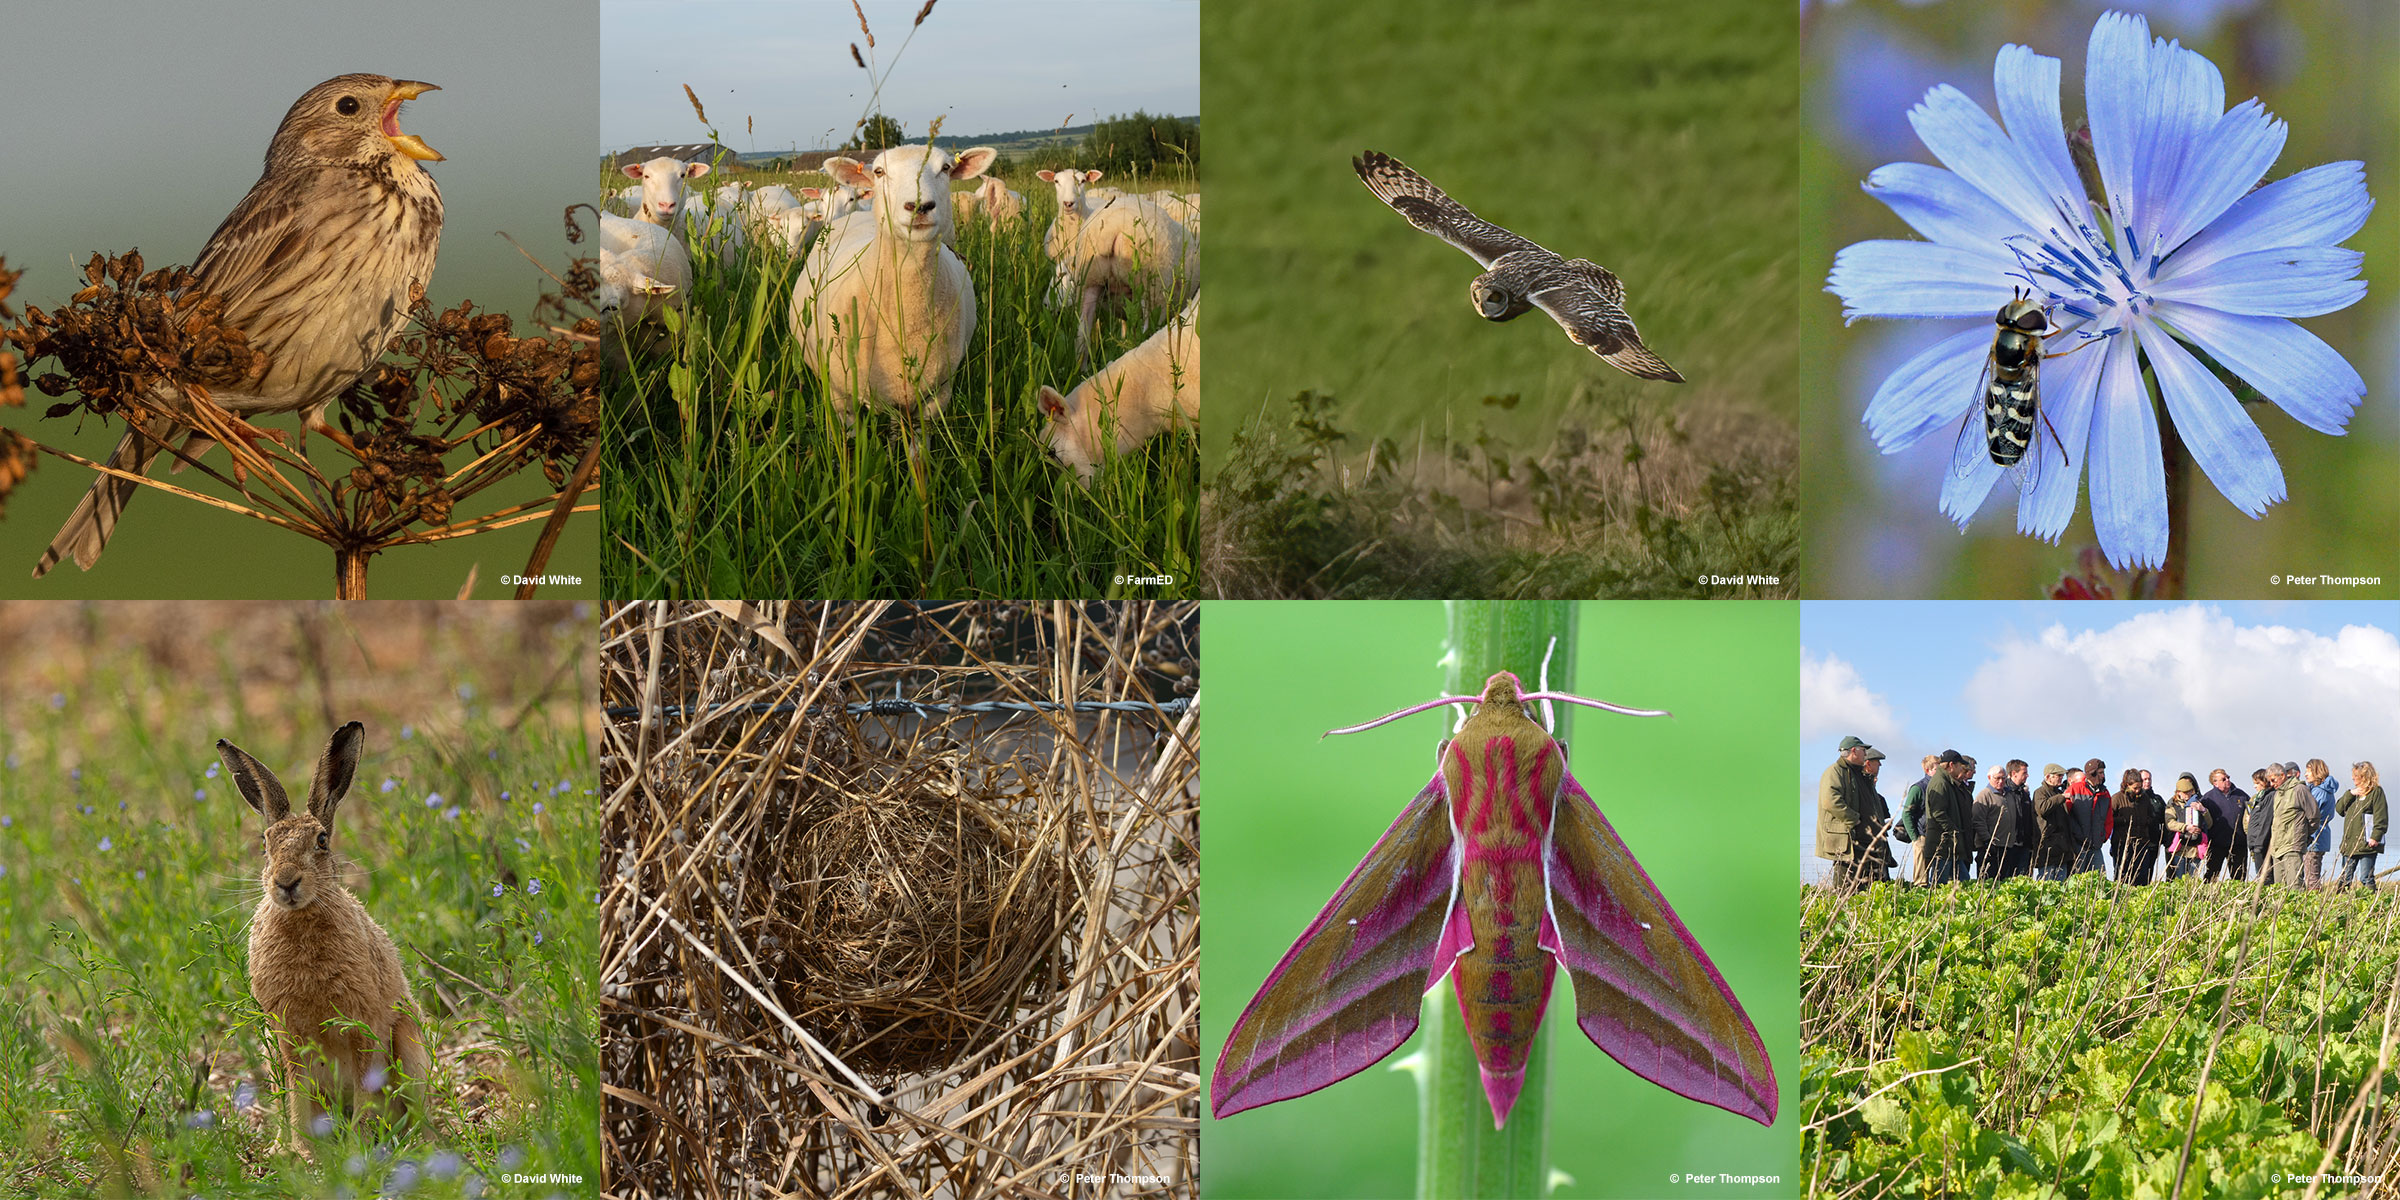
(407, 143)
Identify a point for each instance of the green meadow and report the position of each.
(133, 1059)
(1456, 456)
(730, 475)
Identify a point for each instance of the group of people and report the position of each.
(2283, 828)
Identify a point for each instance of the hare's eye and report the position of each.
(324, 841)
(347, 106)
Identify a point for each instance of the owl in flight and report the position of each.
(1582, 296)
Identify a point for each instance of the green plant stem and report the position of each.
(1459, 1154)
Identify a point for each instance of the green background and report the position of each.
(1289, 815)
(1872, 523)
(1654, 138)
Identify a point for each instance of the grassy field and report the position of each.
(1460, 457)
(729, 475)
(2052, 1039)
(133, 1059)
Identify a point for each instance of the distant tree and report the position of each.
(1141, 144)
(877, 132)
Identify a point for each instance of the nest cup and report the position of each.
(922, 906)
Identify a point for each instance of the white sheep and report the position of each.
(643, 269)
(995, 202)
(1128, 250)
(625, 201)
(664, 195)
(1154, 387)
(1185, 209)
(883, 308)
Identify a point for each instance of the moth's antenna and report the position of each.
(1410, 711)
(1549, 720)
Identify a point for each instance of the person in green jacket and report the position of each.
(2058, 839)
(2365, 820)
(1850, 819)
(2295, 821)
(1945, 835)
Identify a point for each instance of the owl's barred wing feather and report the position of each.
(1588, 301)
(1429, 208)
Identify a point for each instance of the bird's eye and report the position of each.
(347, 106)
(324, 841)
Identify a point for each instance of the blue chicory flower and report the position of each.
(388, 784)
(433, 799)
(498, 888)
(450, 813)
(533, 887)
(2186, 252)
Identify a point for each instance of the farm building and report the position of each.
(718, 157)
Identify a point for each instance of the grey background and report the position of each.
(126, 125)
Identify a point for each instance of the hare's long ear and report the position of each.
(257, 784)
(334, 772)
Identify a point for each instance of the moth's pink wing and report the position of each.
(1347, 992)
(1644, 990)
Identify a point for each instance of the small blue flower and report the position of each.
(3, 870)
(524, 845)
(2185, 252)
(504, 797)
(356, 1165)
(451, 813)
(492, 755)
(120, 806)
(12, 760)
(402, 1178)
(565, 786)
(139, 875)
(321, 1125)
(433, 799)
(537, 937)
(537, 807)
(6, 821)
(511, 1157)
(106, 844)
(471, 1187)
(199, 794)
(85, 809)
(533, 887)
(58, 700)
(375, 1078)
(407, 732)
(210, 773)
(466, 691)
(498, 888)
(202, 1119)
(444, 1165)
(245, 1096)
(75, 773)
(388, 784)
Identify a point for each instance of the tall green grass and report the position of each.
(133, 1059)
(730, 475)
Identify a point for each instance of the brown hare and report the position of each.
(318, 961)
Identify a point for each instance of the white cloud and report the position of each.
(1834, 701)
(2190, 686)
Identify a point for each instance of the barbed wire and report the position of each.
(897, 706)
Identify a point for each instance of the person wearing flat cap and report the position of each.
(2295, 821)
(2058, 839)
(1944, 837)
(1850, 819)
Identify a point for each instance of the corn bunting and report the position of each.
(319, 265)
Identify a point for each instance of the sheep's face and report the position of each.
(299, 861)
(911, 186)
(663, 190)
(1069, 185)
(1069, 439)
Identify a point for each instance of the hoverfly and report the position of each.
(2010, 395)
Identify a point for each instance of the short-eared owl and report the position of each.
(1582, 296)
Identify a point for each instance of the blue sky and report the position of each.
(990, 65)
(2168, 687)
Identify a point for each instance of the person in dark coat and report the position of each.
(2019, 859)
(1944, 836)
(2258, 824)
(1849, 823)
(2141, 819)
(2228, 845)
(2365, 821)
(2059, 838)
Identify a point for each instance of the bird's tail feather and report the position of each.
(95, 517)
(1636, 359)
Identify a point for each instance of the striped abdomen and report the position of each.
(1501, 796)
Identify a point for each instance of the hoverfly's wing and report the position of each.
(1972, 471)
(1348, 991)
(1644, 990)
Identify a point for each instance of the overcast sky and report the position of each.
(990, 65)
(2167, 687)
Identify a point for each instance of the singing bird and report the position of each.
(1582, 296)
(319, 265)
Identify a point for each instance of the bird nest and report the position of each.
(920, 909)
(906, 950)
